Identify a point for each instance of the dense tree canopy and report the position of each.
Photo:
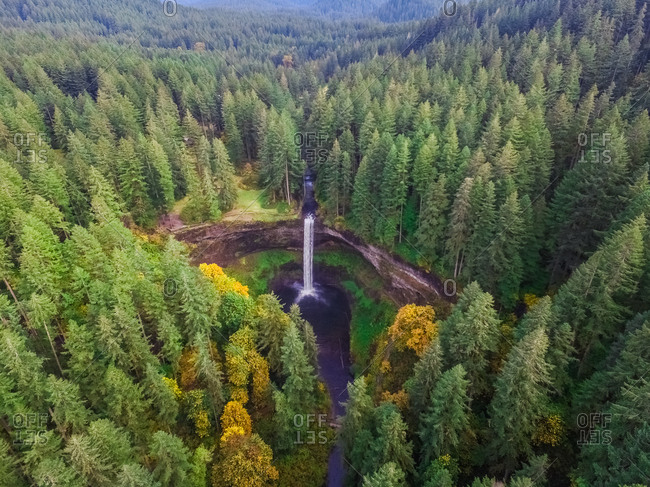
(504, 146)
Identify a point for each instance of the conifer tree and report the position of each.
(300, 383)
(445, 419)
(505, 251)
(224, 176)
(389, 475)
(425, 375)
(459, 229)
(520, 397)
(470, 334)
(424, 167)
(358, 412)
(133, 185)
(171, 459)
(593, 300)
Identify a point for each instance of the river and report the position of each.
(329, 314)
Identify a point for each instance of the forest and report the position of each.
(502, 147)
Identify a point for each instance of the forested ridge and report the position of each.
(504, 148)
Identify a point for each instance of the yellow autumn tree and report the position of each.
(187, 364)
(221, 281)
(261, 380)
(195, 404)
(235, 415)
(246, 461)
(173, 386)
(550, 430)
(413, 328)
(240, 356)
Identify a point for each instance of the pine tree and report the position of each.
(224, 176)
(593, 300)
(520, 397)
(425, 375)
(363, 210)
(358, 412)
(366, 136)
(161, 396)
(133, 185)
(505, 252)
(450, 150)
(124, 400)
(424, 167)
(69, 412)
(446, 418)
(459, 230)
(134, 475)
(86, 459)
(389, 475)
(307, 334)
(300, 383)
(433, 219)
(391, 444)
(329, 180)
(483, 223)
(281, 169)
(171, 459)
(272, 325)
(470, 334)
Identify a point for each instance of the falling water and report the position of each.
(308, 255)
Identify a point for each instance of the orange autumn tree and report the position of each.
(221, 281)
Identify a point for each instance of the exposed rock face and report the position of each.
(223, 243)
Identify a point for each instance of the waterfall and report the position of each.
(308, 255)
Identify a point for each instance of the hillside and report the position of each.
(384, 10)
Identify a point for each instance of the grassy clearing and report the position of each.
(253, 205)
(370, 317)
(257, 270)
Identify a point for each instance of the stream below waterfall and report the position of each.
(328, 312)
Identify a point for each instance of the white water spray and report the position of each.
(308, 256)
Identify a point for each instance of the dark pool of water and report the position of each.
(329, 314)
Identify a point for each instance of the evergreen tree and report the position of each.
(520, 398)
(433, 218)
(300, 383)
(459, 228)
(224, 176)
(470, 334)
(425, 375)
(446, 418)
(389, 475)
(505, 252)
(171, 459)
